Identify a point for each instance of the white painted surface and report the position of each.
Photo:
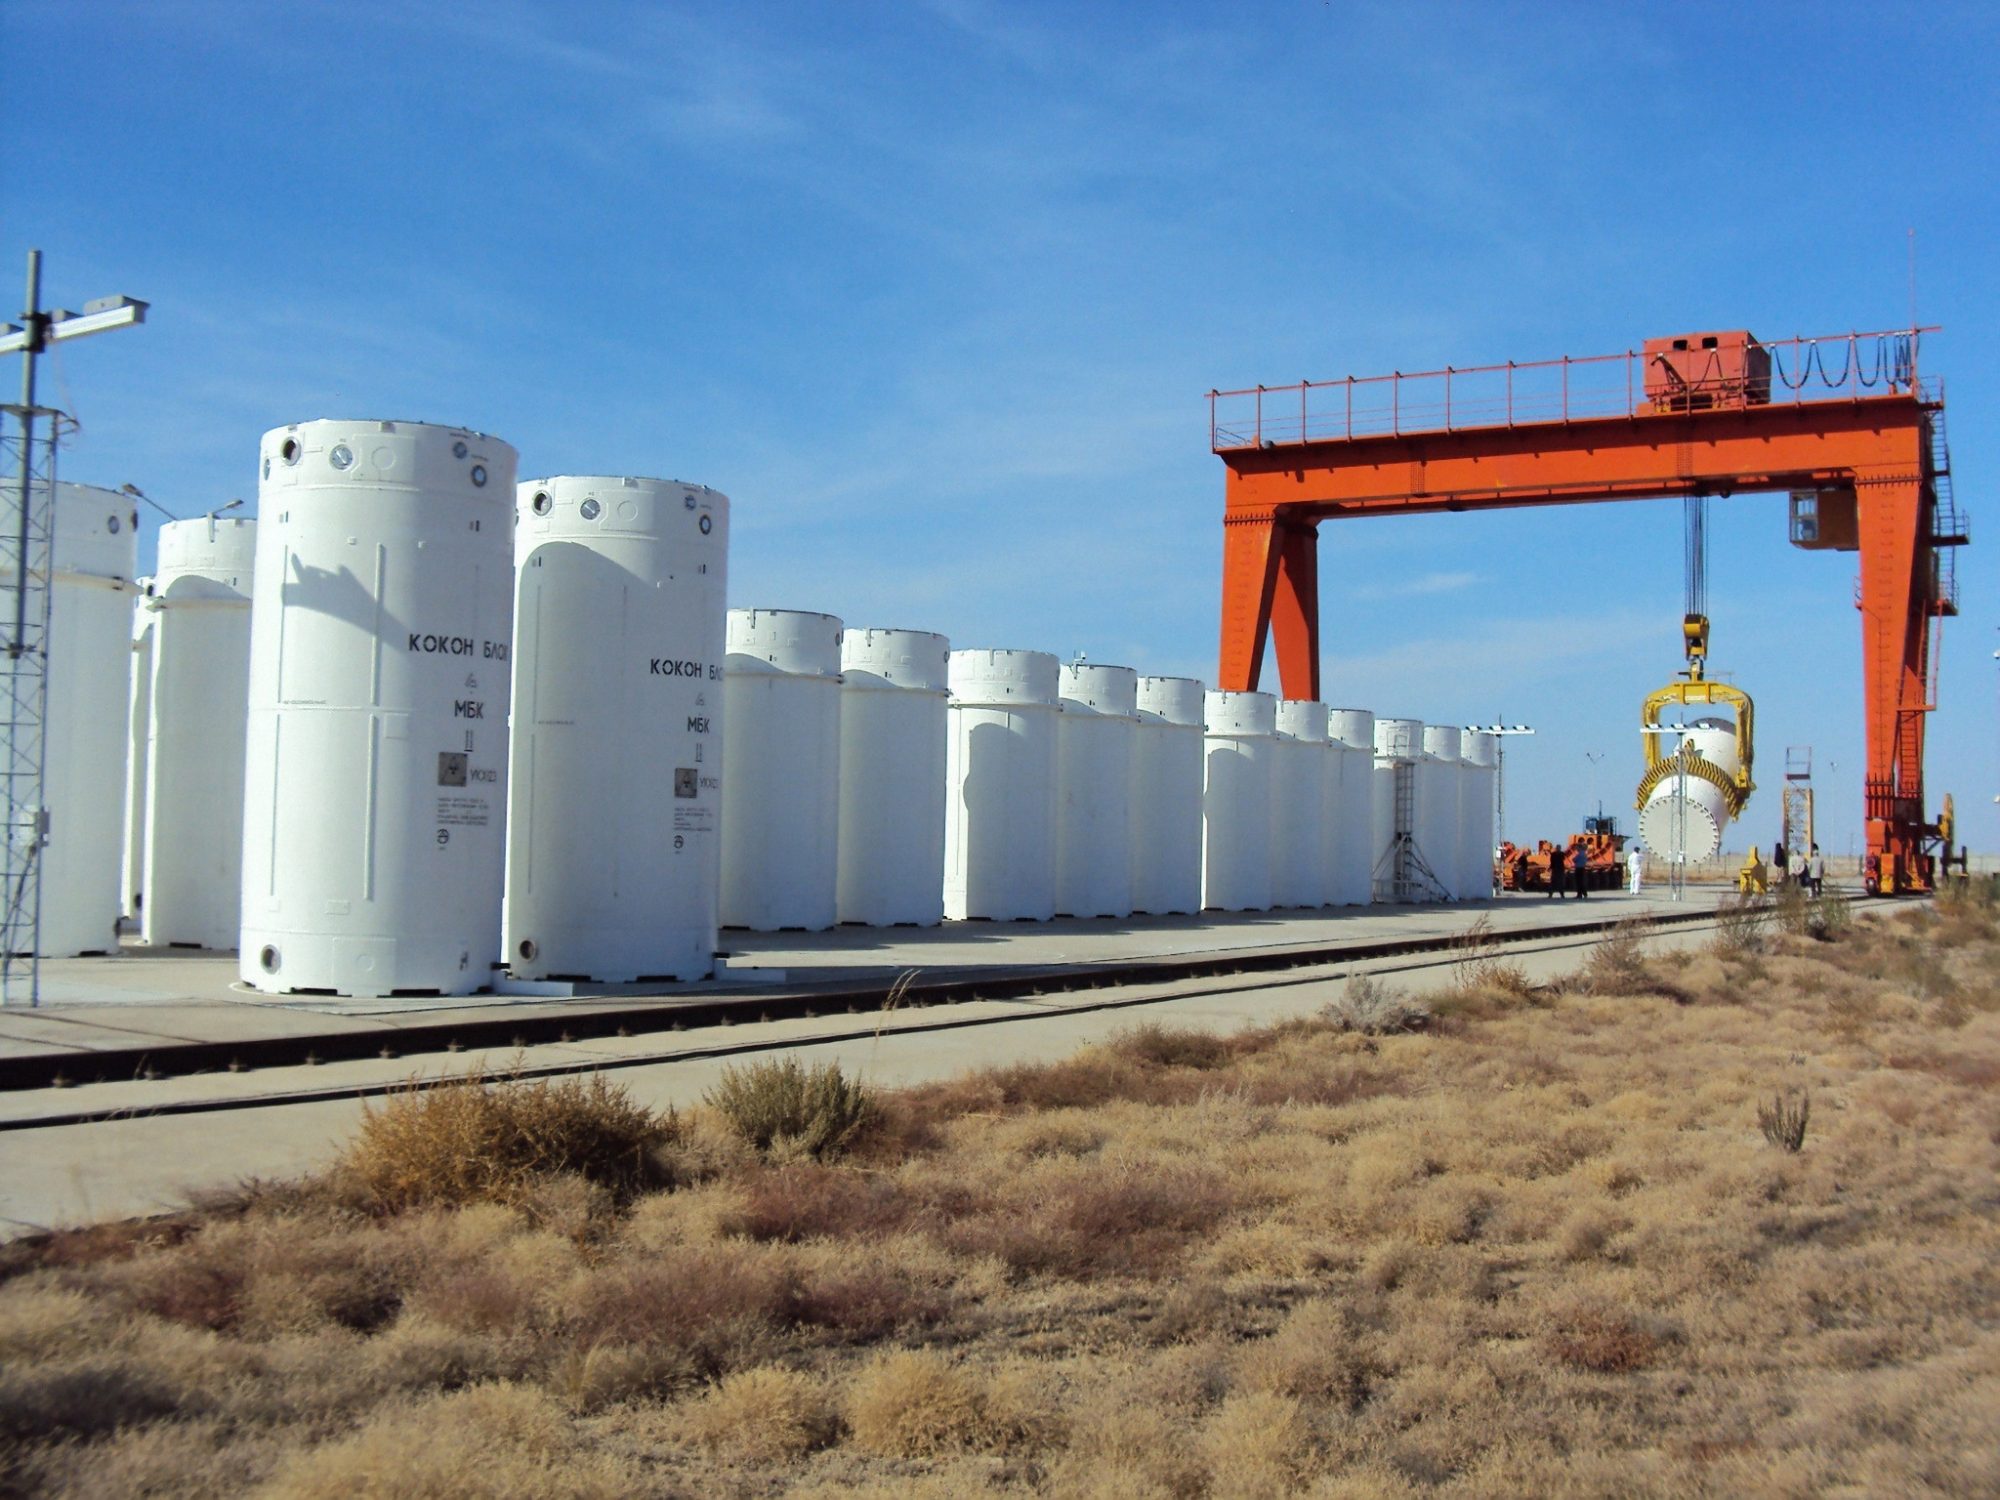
(614, 842)
(198, 716)
(781, 771)
(1661, 823)
(1167, 773)
(138, 719)
(1298, 805)
(1000, 779)
(1350, 807)
(375, 778)
(1441, 838)
(893, 727)
(1095, 731)
(87, 727)
(1481, 761)
(1240, 754)
(1398, 742)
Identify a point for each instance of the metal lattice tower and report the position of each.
(26, 534)
(1402, 874)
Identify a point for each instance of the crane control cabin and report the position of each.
(1845, 425)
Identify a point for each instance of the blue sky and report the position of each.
(933, 291)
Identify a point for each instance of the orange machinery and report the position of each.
(1601, 849)
(1703, 371)
(1844, 424)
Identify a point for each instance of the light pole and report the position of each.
(26, 538)
(1677, 858)
(1500, 732)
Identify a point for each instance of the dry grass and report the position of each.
(785, 1107)
(482, 1141)
(1538, 1247)
(1372, 1008)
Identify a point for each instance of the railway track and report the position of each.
(1067, 990)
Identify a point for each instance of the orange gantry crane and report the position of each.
(1844, 424)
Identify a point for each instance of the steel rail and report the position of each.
(489, 1035)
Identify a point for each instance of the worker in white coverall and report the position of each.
(1635, 860)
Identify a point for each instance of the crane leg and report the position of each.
(1270, 587)
(1895, 608)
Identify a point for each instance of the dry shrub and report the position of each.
(1481, 972)
(1101, 1220)
(1585, 1234)
(475, 1141)
(84, 1398)
(1157, 1046)
(1258, 1445)
(1791, 908)
(811, 1200)
(1135, 1440)
(1191, 1310)
(866, 1299)
(1617, 965)
(786, 1107)
(766, 1415)
(1850, 1013)
(1830, 917)
(492, 1442)
(1606, 1341)
(199, 1459)
(1372, 1008)
(919, 1404)
(1783, 1120)
(699, 1310)
(1315, 1356)
(1739, 926)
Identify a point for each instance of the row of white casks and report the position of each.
(1071, 790)
(1287, 805)
(397, 837)
(1433, 812)
(834, 749)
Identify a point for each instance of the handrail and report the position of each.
(1569, 389)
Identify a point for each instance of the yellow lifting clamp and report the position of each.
(1736, 789)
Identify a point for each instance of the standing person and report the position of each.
(1795, 868)
(1556, 872)
(1816, 871)
(1635, 864)
(1777, 866)
(1579, 866)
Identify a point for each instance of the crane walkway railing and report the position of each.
(1847, 366)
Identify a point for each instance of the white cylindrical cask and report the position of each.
(1094, 734)
(1000, 786)
(1350, 809)
(1685, 815)
(1167, 773)
(198, 717)
(1481, 751)
(893, 729)
(1240, 752)
(1439, 840)
(375, 772)
(781, 776)
(86, 726)
(614, 823)
(1298, 805)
